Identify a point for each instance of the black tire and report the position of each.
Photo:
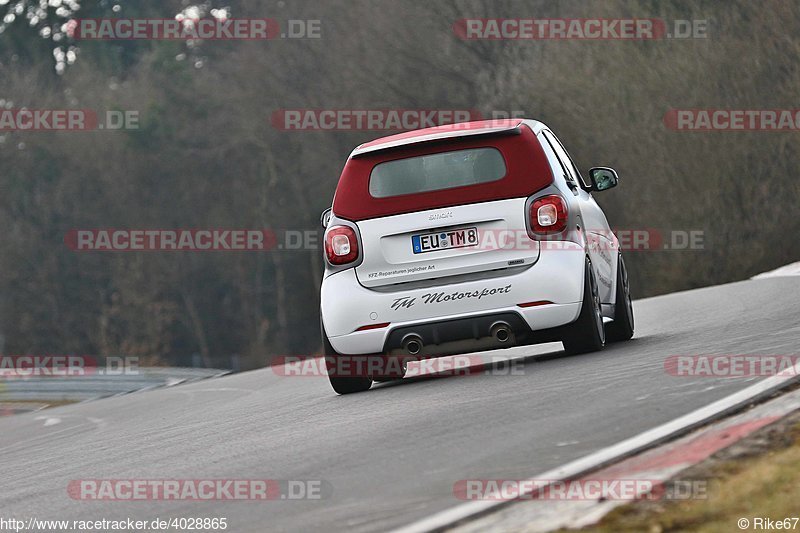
(587, 333)
(622, 327)
(342, 385)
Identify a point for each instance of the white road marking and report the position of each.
(449, 517)
(49, 420)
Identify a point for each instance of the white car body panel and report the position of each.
(347, 305)
(389, 240)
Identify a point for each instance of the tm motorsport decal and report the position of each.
(439, 297)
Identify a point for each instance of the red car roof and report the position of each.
(441, 132)
(528, 171)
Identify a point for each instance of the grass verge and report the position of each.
(759, 477)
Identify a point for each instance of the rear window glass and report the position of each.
(434, 172)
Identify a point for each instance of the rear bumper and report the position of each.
(346, 305)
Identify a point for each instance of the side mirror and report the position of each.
(325, 217)
(603, 178)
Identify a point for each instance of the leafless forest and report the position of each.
(205, 154)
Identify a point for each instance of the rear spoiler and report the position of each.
(436, 137)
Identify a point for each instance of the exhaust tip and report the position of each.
(501, 332)
(412, 344)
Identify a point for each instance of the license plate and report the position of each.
(444, 240)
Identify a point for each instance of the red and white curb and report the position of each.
(662, 462)
(658, 464)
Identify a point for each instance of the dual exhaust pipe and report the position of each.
(501, 332)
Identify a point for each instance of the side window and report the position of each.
(554, 160)
(562, 161)
(564, 156)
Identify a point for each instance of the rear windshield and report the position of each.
(434, 172)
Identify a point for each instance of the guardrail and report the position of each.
(39, 392)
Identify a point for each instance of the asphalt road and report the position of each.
(391, 455)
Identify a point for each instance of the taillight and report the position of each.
(548, 214)
(341, 245)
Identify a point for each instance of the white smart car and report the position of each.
(468, 237)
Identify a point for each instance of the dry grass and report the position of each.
(765, 485)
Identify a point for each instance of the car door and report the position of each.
(600, 241)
